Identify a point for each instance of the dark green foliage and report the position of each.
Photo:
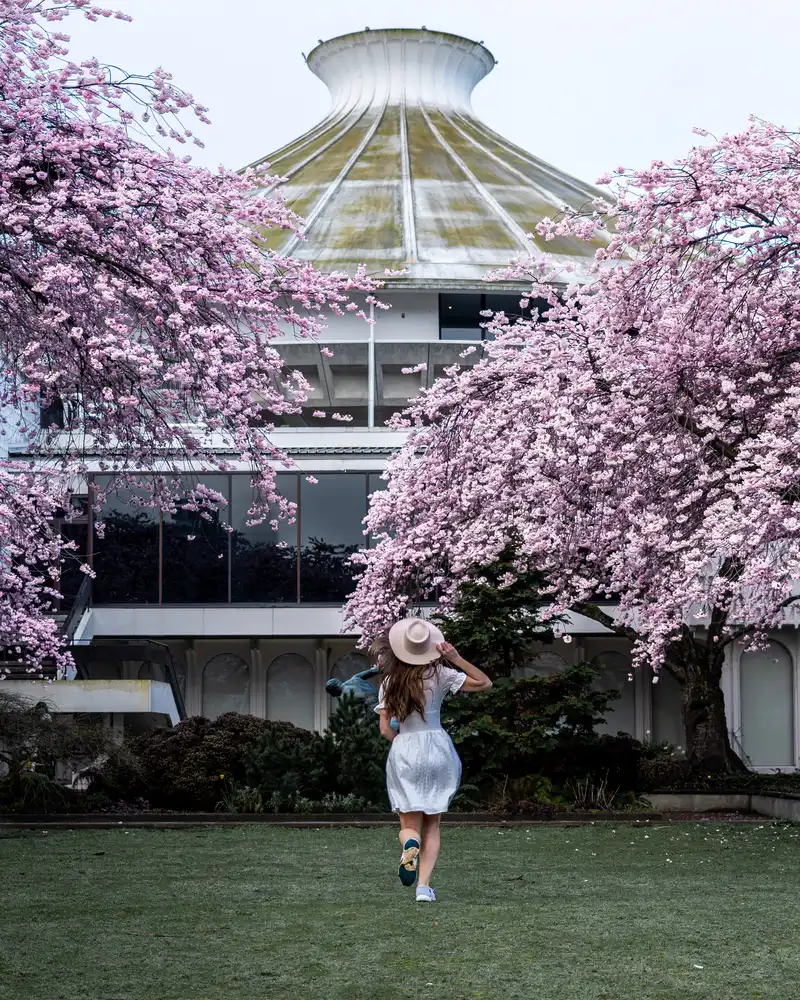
(348, 761)
(32, 743)
(282, 769)
(361, 751)
(32, 792)
(492, 625)
(527, 726)
(663, 773)
(186, 767)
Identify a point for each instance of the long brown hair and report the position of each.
(403, 683)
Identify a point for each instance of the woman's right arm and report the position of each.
(476, 680)
(386, 726)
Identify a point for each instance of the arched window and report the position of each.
(767, 689)
(544, 664)
(667, 712)
(614, 670)
(152, 672)
(226, 686)
(290, 690)
(352, 663)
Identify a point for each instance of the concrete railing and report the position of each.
(785, 807)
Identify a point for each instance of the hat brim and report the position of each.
(404, 653)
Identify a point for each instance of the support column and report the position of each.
(118, 727)
(320, 680)
(258, 681)
(732, 692)
(643, 699)
(794, 648)
(194, 682)
(371, 368)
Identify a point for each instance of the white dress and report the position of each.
(423, 770)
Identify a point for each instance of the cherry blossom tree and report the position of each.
(30, 554)
(641, 439)
(139, 298)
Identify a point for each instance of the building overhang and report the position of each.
(100, 697)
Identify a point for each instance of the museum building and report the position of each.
(400, 175)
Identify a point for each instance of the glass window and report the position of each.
(460, 316)
(195, 548)
(768, 707)
(290, 690)
(375, 484)
(126, 557)
(71, 574)
(615, 669)
(264, 561)
(331, 530)
(226, 686)
(358, 417)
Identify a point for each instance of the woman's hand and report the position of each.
(476, 680)
(448, 652)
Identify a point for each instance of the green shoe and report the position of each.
(409, 860)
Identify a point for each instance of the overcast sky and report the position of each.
(583, 84)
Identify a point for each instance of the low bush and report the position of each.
(34, 793)
(186, 768)
(659, 775)
(542, 726)
(346, 764)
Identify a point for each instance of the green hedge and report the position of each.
(187, 767)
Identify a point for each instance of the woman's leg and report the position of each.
(410, 827)
(430, 848)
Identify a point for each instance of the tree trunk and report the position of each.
(698, 669)
(708, 744)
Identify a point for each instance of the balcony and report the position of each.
(363, 384)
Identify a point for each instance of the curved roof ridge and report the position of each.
(534, 161)
(407, 193)
(518, 233)
(334, 186)
(304, 140)
(317, 152)
(484, 149)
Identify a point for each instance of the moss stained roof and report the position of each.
(401, 174)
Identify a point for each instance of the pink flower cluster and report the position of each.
(138, 293)
(30, 555)
(640, 438)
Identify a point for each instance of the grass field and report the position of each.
(683, 912)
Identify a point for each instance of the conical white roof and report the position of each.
(401, 174)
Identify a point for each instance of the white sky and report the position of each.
(583, 84)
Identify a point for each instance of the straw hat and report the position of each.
(414, 640)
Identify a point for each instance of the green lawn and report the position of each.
(683, 912)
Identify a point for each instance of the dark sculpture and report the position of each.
(358, 685)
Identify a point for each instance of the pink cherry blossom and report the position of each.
(138, 293)
(640, 441)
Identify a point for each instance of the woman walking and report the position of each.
(423, 770)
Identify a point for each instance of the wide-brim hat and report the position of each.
(413, 640)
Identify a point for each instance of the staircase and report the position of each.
(118, 650)
(67, 620)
